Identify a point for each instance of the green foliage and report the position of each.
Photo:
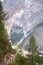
(41, 60)
(32, 46)
(20, 60)
(8, 56)
(5, 46)
(33, 49)
(19, 46)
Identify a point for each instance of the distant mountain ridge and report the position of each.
(25, 18)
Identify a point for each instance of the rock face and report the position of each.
(38, 33)
(29, 14)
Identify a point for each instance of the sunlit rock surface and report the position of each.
(26, 14)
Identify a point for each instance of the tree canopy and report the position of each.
(5, 45)
(33, 50)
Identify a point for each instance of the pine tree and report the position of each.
(19, 60)
(33, 57)
(5, 46)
